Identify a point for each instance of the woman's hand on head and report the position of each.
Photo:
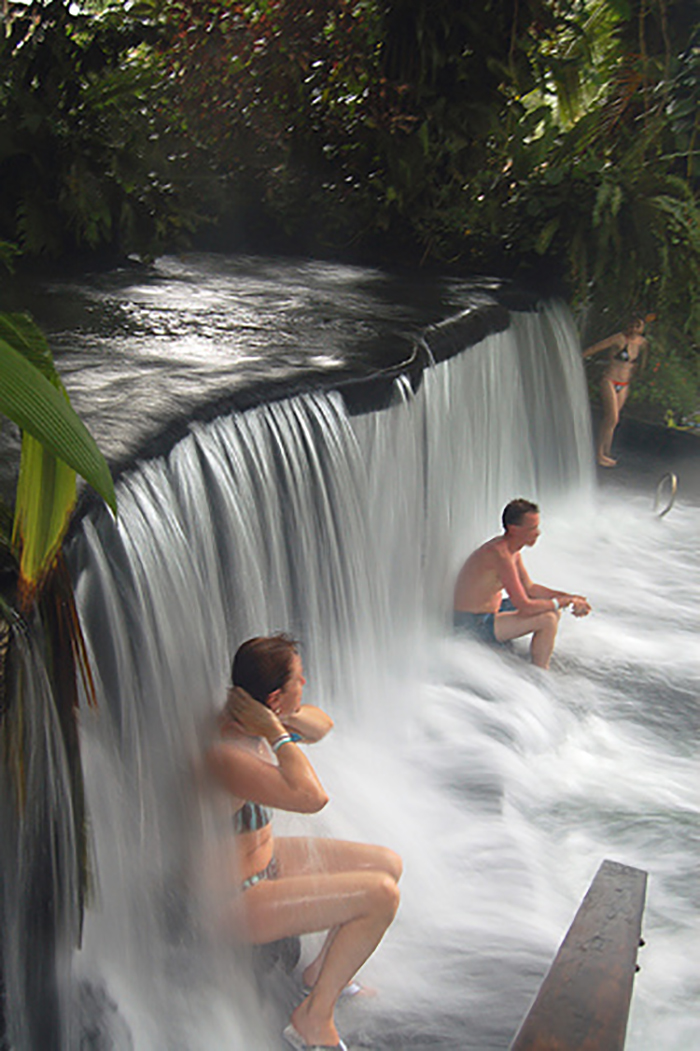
(251, 716)
(289, 784)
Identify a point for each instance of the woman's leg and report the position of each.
(346, 952)
(611, 415)
(361, 904)
(311, 973)
(301, 855)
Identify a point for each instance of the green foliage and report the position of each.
(55, 444)
(87, 151)
(37, 601)
(33, 396)
(668, 391)
(545, 137)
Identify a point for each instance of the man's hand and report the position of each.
(580, 606)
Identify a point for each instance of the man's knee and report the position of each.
(550, 621)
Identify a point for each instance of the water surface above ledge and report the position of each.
(143, 350)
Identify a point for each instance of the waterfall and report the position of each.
(343, 519)
(343, 527)
(37, 860)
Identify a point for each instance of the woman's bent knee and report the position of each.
(385, 897)
(393, 864)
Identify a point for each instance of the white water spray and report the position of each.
(502, 787)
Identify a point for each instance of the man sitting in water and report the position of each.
(481, 609)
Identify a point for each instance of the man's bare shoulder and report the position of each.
(474, 559)
(496, 549)
(489, 555)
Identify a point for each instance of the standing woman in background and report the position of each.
(628, 349)
(294, 885)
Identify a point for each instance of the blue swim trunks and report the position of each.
(480, 625)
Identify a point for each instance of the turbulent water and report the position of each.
(503, 787)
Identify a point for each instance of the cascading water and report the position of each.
(502, 787)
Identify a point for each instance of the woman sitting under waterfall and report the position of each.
(295, 885)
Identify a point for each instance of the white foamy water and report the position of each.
(506, 788)
(503, 787)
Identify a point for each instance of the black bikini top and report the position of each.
(623, 354)
(251, 817)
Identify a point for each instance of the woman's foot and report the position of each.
(606, 461)
(316, 1032)
(350, 990)
(294, 1038)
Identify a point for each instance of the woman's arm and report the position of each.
(310, 723)
(604, 344)
(292, 785)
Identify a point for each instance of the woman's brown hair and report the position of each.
(263, 665)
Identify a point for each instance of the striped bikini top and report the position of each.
(251, 818)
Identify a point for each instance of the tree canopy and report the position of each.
(534, 138)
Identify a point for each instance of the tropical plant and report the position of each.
(55, 445)
(38, 614)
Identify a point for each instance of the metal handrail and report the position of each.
(673, 479)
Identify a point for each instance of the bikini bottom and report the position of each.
(617, 385)
(269, 872)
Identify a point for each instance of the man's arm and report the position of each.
(579, 604)
(520, 588)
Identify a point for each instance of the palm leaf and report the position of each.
(44, 412)
(25, 336)
(44, 501)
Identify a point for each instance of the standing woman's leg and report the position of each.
(620, 399)
(611, 415)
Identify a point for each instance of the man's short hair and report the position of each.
(515, 511)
